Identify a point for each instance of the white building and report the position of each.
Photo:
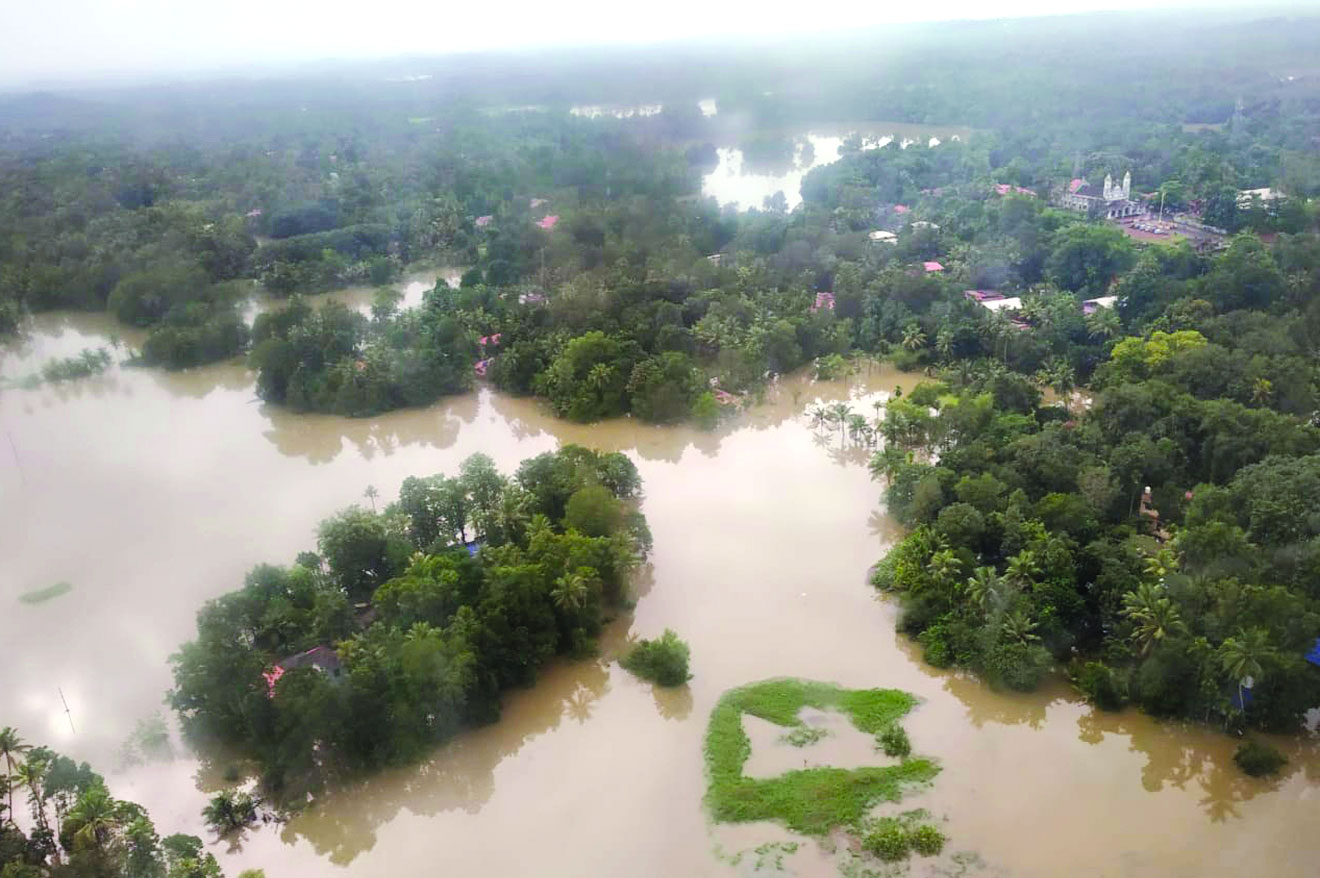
(1113, 200)
(880, 236)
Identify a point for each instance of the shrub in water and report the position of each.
(1100, 685)
(1258, 759)
(927, 840)
(894, 741)
(890, 841)
(663, 660)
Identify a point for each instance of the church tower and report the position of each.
(1109, 187)
(1127, 185)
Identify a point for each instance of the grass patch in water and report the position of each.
(41, 595)
(815, 800)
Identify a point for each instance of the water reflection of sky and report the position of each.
(733, 182)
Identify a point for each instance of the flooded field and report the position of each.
(735, 181)
(151, 492)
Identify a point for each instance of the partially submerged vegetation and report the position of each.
(812, 801)
(1161, 543)
(408, 624)
(663, 660)
(50, 592)
(76, 829)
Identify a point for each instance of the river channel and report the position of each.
(150, 492)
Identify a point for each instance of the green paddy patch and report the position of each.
(811, 801)
(41, 595)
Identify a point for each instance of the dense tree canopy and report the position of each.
(424, 613)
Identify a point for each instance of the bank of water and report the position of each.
(151, 492)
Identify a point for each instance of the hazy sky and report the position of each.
(59, 39)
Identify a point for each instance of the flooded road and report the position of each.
(151, 492)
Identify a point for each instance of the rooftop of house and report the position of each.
(1013, 303)
(932, 266)
(320, 657)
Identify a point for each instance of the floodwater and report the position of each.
(733, 182)
(151, 492)
(413, 286)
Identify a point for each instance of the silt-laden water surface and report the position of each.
(151, 492)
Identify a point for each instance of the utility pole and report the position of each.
(67, 712)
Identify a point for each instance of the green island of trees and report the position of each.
(815, 801)
(77, 829)
(663, 660)
(1161, 542)
(408, 624)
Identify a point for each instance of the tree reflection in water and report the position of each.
(461, 774)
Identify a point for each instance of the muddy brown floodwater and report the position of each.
(151, 492)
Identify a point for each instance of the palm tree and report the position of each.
(839, 414)
(944, 342)
(913, 338)
(229, 811)
(96, 816)
(1022, 569)
(857, 428)
(944, 566)
(571, 591)
(1103, 323)
(819, 416)
(11, 745)
(1059, 376)
(371, 494)
(600, 376)
(1018, 625)
(1241, 657)
(1161, 564)
(32, 774)
(1262, 391)
(1153, 615)
(982, 586)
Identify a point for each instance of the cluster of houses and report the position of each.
(993, 300)
(547, 222)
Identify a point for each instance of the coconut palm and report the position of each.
(1019, 626)
(1022, 569)
(913, 337)
(1059, 376)
(1103, 323)
(1154, 617)
(229, 811)
(944, 566)
(600, 376)
(982, 586)
(1161, 564)
(32, 774)
(858, 428)
(11, 745)
(1262, 391)
(839, 414)
(571, 591)
(96, 815)
(1241, 656)
(371, 494)
(819, 416)
(944, 342)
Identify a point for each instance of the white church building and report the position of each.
(1114, 201)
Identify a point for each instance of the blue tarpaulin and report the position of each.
(1314, 655)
